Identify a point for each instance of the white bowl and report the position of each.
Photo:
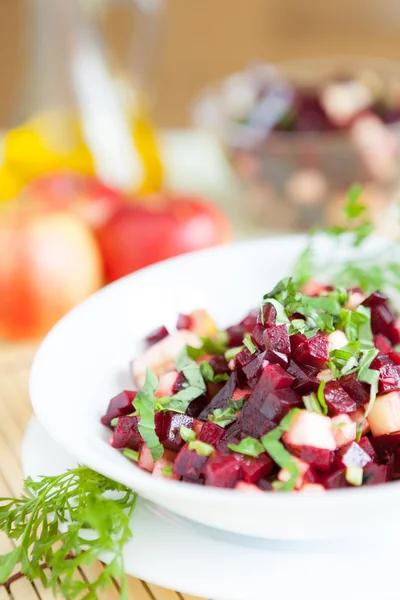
(83, 362)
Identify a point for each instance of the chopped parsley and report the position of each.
(208, 346)
(248, 342)
(225, 417)
(167, 471)
(131, 454)
(278, 453)
(201, 448)
(248, 446)
(208, 374)
(187, 434)
(145, 404)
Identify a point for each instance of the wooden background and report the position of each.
(204, 39)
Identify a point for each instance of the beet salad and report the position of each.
(302, 395)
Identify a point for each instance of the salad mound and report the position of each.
(303, 394)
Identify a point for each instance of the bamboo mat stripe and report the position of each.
(15, 413)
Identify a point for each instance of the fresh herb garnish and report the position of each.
(167, 471)
(355, 214)
(114, 422)
(193, 387)
(248, 342)
(208, 374)
(248, 446)
(311, 403)
(208, 346)
(201, 448)
(370, 376)
(225, 417)
(74, 501)
(278, 453)
(231, 353)
(145, 404)
(131, 454)
(321, 397)
(187, 434)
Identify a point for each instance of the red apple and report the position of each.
(50, 262)
(86, 197)
(158, 228)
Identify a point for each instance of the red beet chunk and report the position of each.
(211, 434)
(310, 370)
(257, 336)
(278, 403)
(375, 299)
(222, 471)
(385, 446)
(365, 444)
(380, 361)
(244, 357)
(381, 318)
(156, 335)
(335, 479)
(265, 485)
(382, 343)
(376, 474)
(392, 332)
(219, 365)
(389, 378)
(394, 357)
(197, 406)
(254, 369)
(267, 315)
(189, 464)
(320, 458)
(255, 468)
(337, 400)
(252, 422)
(220, 400)
(235, 335)
(303, 383)
(126, 434)
(184, 322)
(296, 340)
(357, 390)
(277, 344)
(250, 321)
(119, 406)
(272, 378)
(171, 437)
(352, 455)
(179, 381)
(313, 351)
(159, 423)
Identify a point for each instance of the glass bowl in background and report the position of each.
(294, 179)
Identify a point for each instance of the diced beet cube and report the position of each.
(272, 378)
(156, 335)
(365, 444)
(119, 406)
(310, 370)
(171, 437)
(335, 479)
(267, 315)
(221, 399)
(380, 361)
(197, 406)
(389, 378)
(394, 357)
(303, 383)
(382, 343)
(320, 458)
(235, 335)
(337, 400)
(219, 365)
(352, 455)
(255, 468)
(393, 333)
(184, 322)
(313, 351)
(250, 321)
(375, 299)
(159, 423)
(265, 485)
(126, 434)
(296, 340)
(277, 344)
(189, 464)
(211, 434)
(244, 357)
(222, 471)
(357, 390)
(179, 381)
(254, 368)
(279, 402)
(376, 474)
(257, 336)
(385, 446)
(381, 318)
(252, 422)
(241, 393)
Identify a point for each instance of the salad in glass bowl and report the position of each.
(303, 394)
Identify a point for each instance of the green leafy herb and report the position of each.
(131, 454)
(208, 374)
(208, 346)
(338, 425)
(311, 403)
(167, 471)
(281, 316)
(114, 422)
(145, 404)
(354, 210)
(370, 376)
(201, 448)
(193, 387)
(188, 435)
(225, 417)
(321, 397)
(248, 446)
(277, 451)
(232, 352)
(79, 498)
(248, 342)
(354, 475)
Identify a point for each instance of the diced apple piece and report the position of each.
(354, 301)
(337, 339)
(242, 486)
(198, 426)
(385, 414)
(159, 466)
(166, 384)
(325, 374)
(345, 430)
(312, 487)
(146, 460)
(311, 429)
(202, 323)
(358, 417)
(302, 466)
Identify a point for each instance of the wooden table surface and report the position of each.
(15, 413)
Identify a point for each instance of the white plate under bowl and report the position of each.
(194, 559)
(83, 362)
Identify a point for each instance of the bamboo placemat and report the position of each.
(15, 413)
